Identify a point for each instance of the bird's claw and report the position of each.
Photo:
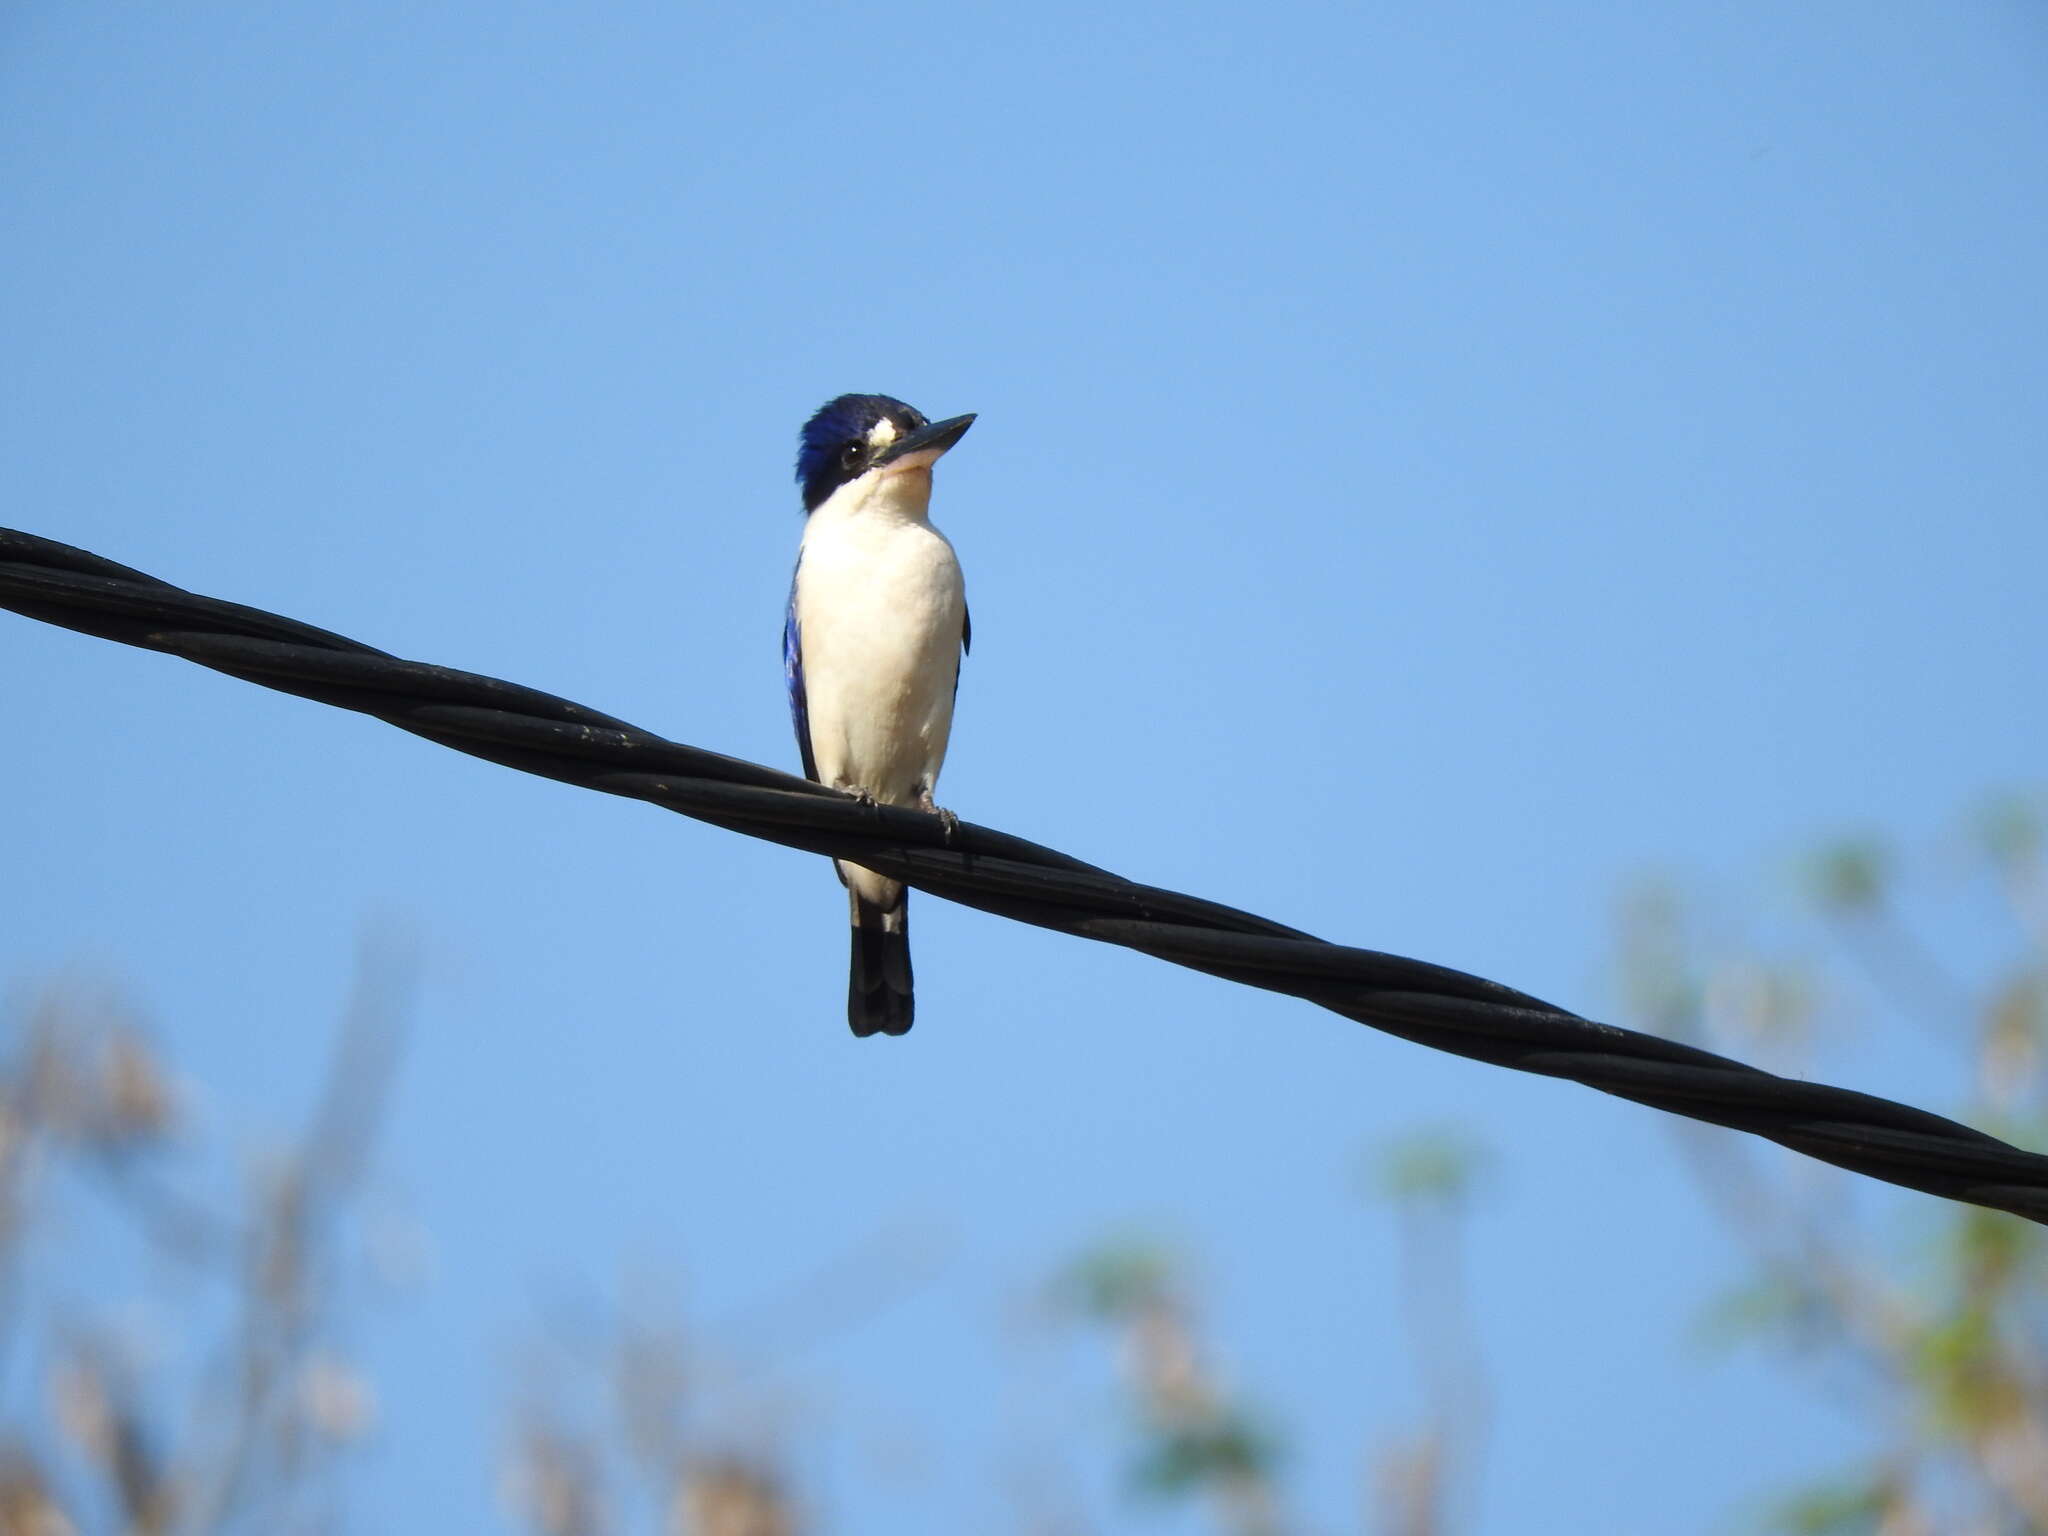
(949, 824)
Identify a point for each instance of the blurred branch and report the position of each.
(1955, 1385)
(1851, 881)
(1197, 1439)
(82, 1090)
(625, 1426)
(1426, 1480)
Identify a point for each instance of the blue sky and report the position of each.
(1433, 463)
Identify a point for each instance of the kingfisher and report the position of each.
(871, 649)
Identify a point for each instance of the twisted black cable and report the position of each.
(540, 734)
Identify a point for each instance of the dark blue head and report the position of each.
(857, 433)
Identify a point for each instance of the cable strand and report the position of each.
(538, 733)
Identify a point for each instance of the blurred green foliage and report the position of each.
(1183, 1461)
(1116, 1280)
(1439, 1165)
(1853, 1506)
(1952, 1348)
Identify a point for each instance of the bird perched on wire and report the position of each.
(871, 650)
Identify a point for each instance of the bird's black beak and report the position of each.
(924, 446)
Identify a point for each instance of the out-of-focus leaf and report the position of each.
(731, 1498)
(1961, 1367)
(1773, 1307)
(1116, 1280)
(1850, 875)
(1440, 1165)
(136, 1100)
(1756, 1003)
(2008, 828)
(1229, 1450)
(1851, 1506)
(1992, 1250)
(2009, 1061)
(1655, 960)
(335, 1398)
(553, 1484)
(27, 1507)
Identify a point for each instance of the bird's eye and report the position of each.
(851, 455)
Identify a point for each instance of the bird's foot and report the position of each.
(949, 824)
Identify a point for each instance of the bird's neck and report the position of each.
(904, 497)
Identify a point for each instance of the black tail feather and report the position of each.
(878, 990)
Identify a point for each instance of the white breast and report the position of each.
(879, 606)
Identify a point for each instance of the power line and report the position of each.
(1431, 1005)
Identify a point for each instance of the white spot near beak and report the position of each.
(882, 434)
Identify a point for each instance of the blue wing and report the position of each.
(793, 678)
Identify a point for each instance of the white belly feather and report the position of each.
(879, 607)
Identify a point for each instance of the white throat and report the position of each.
(899, 496)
